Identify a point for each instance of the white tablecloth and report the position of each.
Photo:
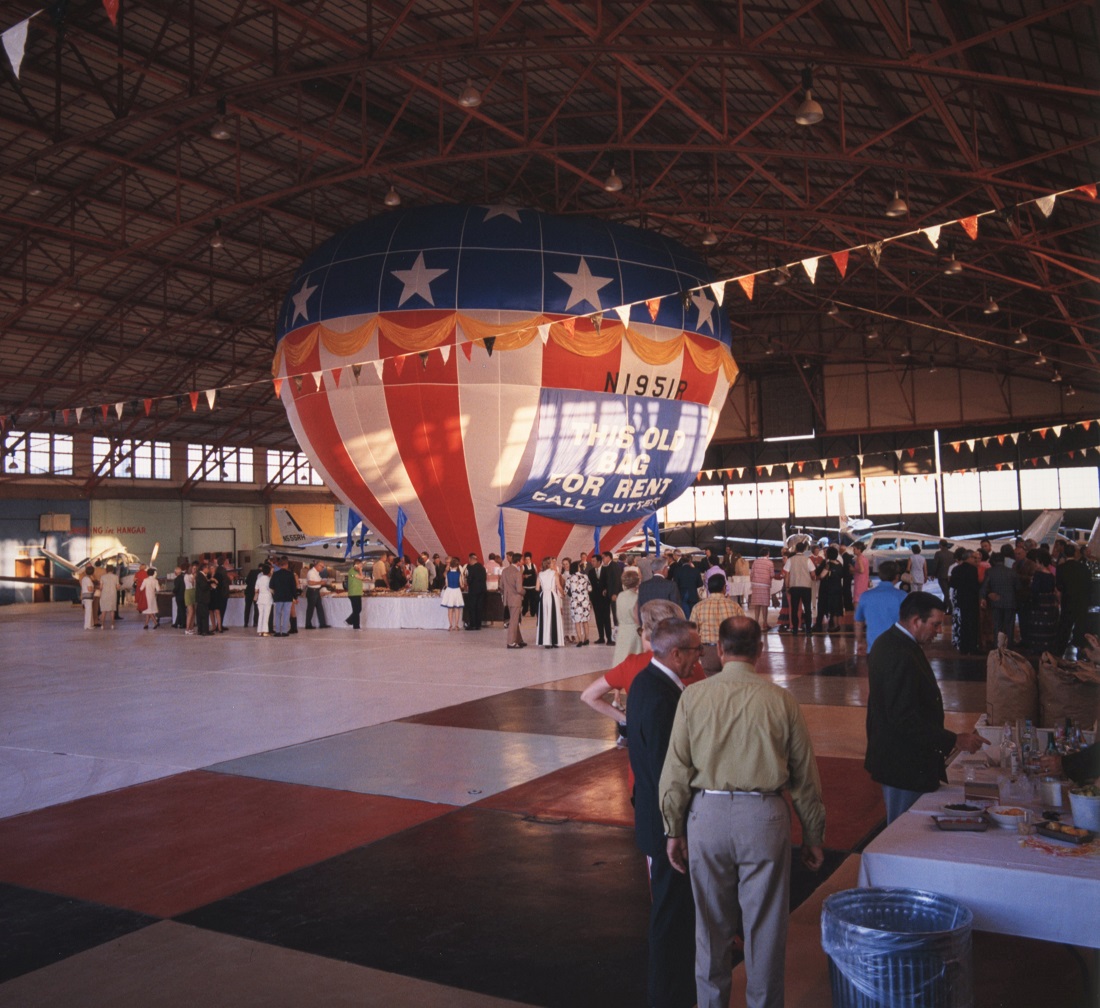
(1010, 888)
(421, 612)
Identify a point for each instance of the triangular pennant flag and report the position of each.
(194, 396)
(768, 469)
(840, 260)
(103, 410)
(1001, 439)
(467, 348)
(570, 325)
(970, 226)
(210, 395)
(1088, 188)
(297, 379)
(111, 7)
(654, 306)
(445, 352)
(319, 380)
(356, 371)
(810, 266)
(399, 364)
(1058, 430)
(912, 452)
(971, 442)
(747, 283)
(424, 355)
(490, 342)
(544, 333)
(623, 311)
(79, 413)
(278, 387)
(875, 248)
(336, 376)
(836, 463)
(1013, 437)
(1072, 453)
(933, 235)
(597, 321)
(148, 404)
(379, 365)
(740, 471)
(984, 441)
(957, 445)
(15, 43)
(800, 465)
(1046, 459)
(65, 417)
(118, 410)
(789, 467)
(1085, 424)
(860, 457)
(898, 452)
(759, 470)
(824, 463)
(718, 289)
(1046, 204)
(998, 466)
(1043, 432)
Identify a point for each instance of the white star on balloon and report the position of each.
(418, 280)
(583, 286)
(706, 309)
(501, 210)
(301, 301)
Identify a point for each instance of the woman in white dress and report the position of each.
(549, 633)
(264, 601)
(149, 588)
(629, 640)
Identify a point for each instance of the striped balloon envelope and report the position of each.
(499, 373)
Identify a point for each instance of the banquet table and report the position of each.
(1010, 886)
(380, 612)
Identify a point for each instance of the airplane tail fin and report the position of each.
(1046, 523)
(843, 513)
(289, 530)
(60, 561)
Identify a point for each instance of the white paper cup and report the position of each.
(1052, 792)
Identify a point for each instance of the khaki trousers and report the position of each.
(739, 857)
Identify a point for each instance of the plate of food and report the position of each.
(969, 824)
(962, 809)
(1006, 816)
(1065, 832)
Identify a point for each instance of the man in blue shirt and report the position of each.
(878, 608)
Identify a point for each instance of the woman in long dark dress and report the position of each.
(1043, 612)
(966, 610)
(830, 594)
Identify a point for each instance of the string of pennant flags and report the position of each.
(746, 282)
(801, 465)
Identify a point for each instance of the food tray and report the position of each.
(970, 824)
(1044, 829)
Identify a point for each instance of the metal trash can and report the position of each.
(897, 948)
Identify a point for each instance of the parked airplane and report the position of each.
(113, 554)
(849, 528)
(298, 545)
(881, 545)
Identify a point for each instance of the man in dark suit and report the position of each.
(651, 709)
(658, 586)
(475, 593)
(907, 743)
(601, 599)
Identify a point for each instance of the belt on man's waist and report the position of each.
(755, 793)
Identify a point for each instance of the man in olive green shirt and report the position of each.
(739, 740)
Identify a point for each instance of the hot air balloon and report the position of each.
(492, 373)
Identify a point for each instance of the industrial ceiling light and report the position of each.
(991, 307)
(905, 354)
(897, 207)
(1039, 361)
(781, 275)
(1021, 338)
(612, 183)
(952, 267)
(470, 96)
(78, 301)
(1057, 376)
(832, 309)
(1070, 390)
(216, 240)
(34, 189)
(872, 333)
(809, 112)
(709, 237)
(220, 129)
(392, 199)
(932, 369)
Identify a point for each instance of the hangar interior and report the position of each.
(909, 187)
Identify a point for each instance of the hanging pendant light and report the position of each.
(897, 207)
(612, 183)
(809, 112)
(392, 198)
(470, 96)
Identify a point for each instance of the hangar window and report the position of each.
(291, 467)
(132, 459)
(37, 454)
(223, 464)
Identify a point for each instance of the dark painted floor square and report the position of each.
(537, 711)
(548, 914)
(41, 929)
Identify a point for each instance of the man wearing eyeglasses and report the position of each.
(651, 708)
(738, 741)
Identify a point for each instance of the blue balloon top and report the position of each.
(470, 258)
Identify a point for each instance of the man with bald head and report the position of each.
(738, 742)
